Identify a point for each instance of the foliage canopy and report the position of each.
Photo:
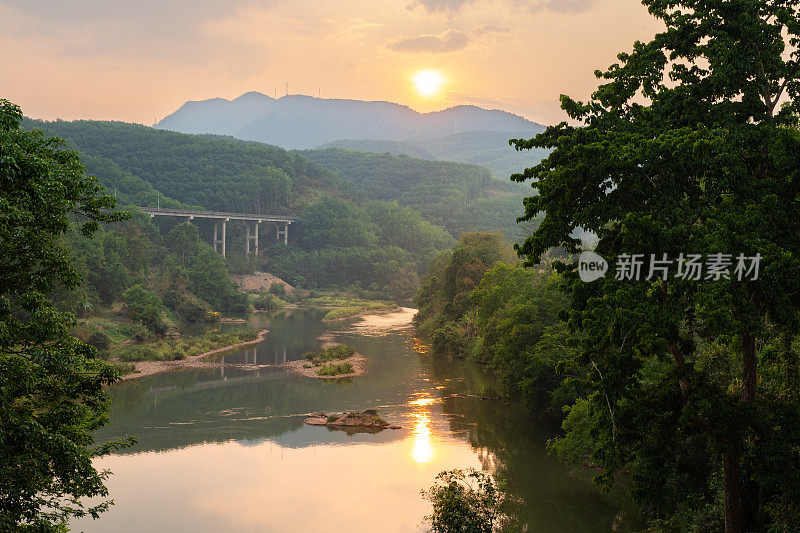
(51, 384)
(689, 145)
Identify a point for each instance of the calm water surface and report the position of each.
(227, 449)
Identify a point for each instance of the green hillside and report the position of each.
(218, 173)
(489, 149)
(457, 196)
(342, 239)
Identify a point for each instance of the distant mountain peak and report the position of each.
(250, 95)
(302, 121)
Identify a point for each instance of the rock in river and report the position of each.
(366, 420)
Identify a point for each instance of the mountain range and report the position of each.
(466, 134)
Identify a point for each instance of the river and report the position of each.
(226, 449)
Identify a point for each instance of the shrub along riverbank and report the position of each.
(477, 302)
(181, 348)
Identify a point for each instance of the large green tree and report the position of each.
(689, 146)
(51, 384)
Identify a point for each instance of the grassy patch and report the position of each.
(172, 349)
(118, 332)
(353, 310)
(335, 369)
(122, 368)
(346, 306)
(330, 353)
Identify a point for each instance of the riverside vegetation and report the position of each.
(52, 398)
(688, 146)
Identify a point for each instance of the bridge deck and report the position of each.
(217, 215)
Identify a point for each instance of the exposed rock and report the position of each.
(367, 420)
(260, 281)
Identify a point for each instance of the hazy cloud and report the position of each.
(491, 28)
(563, 6)
(448, 41)
(556, 6)
(146, 28)
(433, 6)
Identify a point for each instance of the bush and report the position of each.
(146, 307)
(172, 299)
(135, 353)
(142, 334)
(335, 369)
(265, 302)
(330, 353)
(99, 340)
(278, 289)
(577, 445)
(464, 501)
(195, 310)
(236, 302)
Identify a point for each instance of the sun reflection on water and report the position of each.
(422, 452)
(422, 401)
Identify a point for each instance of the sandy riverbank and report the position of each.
(360, 314)
(148, 368)
(372, 323)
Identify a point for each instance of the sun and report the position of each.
(428, 82)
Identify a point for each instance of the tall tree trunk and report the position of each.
(733, 500)
(748, 366)
(731, 482)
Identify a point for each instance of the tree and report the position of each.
(689, 145)
(51, 384)
(464, 501)
(184, 241)
(145, 306)
(444, 296)
(335, 222)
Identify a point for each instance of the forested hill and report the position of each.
(458, 196)
(217, 173)
(299, 122)
(368, 220)
(486, 148)
(227, 174)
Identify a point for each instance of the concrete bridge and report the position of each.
(221, 220)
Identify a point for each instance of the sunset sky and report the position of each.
(139, 61)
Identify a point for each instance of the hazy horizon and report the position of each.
(139, 63)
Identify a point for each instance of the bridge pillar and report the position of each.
(246, 238)
(220, 240)
(249, 236)
(283, 233)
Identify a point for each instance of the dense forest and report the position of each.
(367, 221)
(478, 302)
(217, 173)
(161, 279)
(457, 196)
